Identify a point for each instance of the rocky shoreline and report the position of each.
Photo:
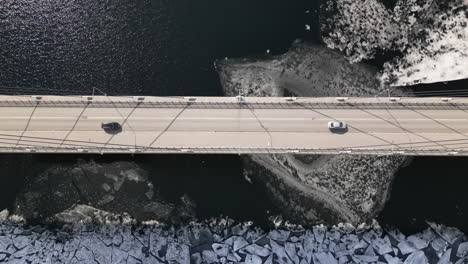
(314, 189)
(224, 241)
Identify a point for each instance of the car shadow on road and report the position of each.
(339, 131)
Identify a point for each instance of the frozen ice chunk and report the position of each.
(21, 241)
(354, 246)
(445, 259)
(392, 260)
(233, 257)
(209, 256)
(252, 259)
(255, 249)
(324, 258)
(221, 250)
(396, 234)
(291, 251)
(350, 238)
(279, 251)
(239, 242)
(239, 229)
(416, 257)
(417, 242)
(230, 241)
(439, 245)
(196, 258)
(427, 235)
(382, 245)
(406, 248)
(178, 253)
(269, 260)
(365, 258)
(369, 236)
(343, 259)
(450, 234)
(319, 233)
(341, 253)
(279, 235)
(462, 250)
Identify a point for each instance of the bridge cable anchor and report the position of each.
(240, 99)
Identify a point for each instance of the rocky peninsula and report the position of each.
(313, 189)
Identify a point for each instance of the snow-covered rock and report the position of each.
(432, 37)
(4, 215)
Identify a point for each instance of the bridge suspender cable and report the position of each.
(438, 122)
(392, 116)
(360, 130)
(270, 138)
(167, 127)
(74, 125)
(125, 122)
(38, 142)
(27, 124)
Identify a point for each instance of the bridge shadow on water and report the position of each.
(215, 183)
(429, 189)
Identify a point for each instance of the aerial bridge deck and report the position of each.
(234, 125)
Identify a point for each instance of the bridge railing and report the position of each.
(237, 150)
(230, 103)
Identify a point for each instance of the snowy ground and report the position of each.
(430, 36)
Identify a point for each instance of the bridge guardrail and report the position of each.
(231, 150)
(297, 104)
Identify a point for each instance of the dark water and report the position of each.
(157, 47)
(167, 47)
(430, 189)
(152, 47)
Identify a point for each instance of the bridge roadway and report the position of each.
(377, 126)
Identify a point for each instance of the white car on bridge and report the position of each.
(337, 126)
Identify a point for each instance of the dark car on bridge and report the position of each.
(112, 127)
